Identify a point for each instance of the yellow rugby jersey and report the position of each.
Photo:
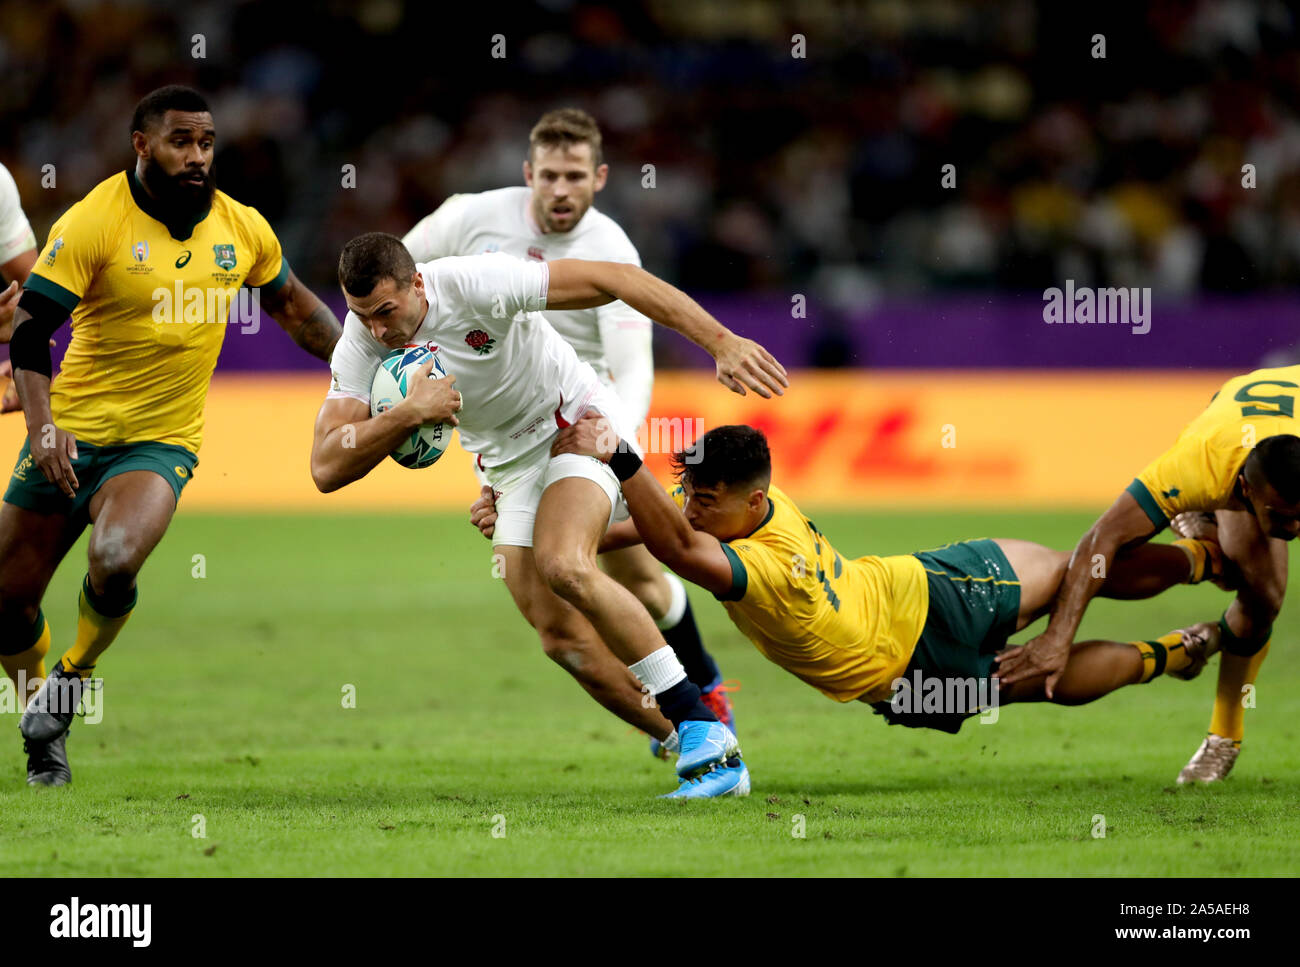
(1199, 472)
(146, 306)
(847, 628)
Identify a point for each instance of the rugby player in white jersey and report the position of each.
(521, 382)
(552, 217)
(17, 256)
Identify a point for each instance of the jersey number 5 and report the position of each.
(1282, 405)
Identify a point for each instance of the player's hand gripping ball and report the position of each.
(390, 386)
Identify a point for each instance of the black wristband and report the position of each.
(624, 462)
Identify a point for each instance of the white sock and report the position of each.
(676, 603)
(659, 671)
(672, 743)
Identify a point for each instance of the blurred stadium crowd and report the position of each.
(770, 169)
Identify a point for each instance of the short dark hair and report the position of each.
(369, 259)
(730, 456)
(566, 126)
(155, 104)
(1278, 459)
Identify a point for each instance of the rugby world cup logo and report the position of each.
(140, 251)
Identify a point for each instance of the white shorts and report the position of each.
(519, 489)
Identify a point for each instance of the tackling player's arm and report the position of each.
(1123, 526)
(692, 554)
(302, 314)
(349, 442)
(580, 284)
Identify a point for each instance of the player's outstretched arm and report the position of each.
(694, 555)
(302, 314)
(1123, 526)
(348, 442)
(580, 284)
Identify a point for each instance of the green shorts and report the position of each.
(29, 489)
(974, 603)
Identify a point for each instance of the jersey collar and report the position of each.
(179, 230)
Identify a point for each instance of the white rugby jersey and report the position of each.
(514, 372)
(615, 339)
(16, 234)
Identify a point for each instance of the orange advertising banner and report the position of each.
(845, 438)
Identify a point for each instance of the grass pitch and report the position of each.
(224, 713)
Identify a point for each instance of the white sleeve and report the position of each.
(625, 339)
(353, 364)
(16, 234)
(495, 285)
(438, 234)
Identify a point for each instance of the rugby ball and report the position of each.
(426, 444)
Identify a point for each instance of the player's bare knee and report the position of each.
(563, 648)
(572, 577)
(114, 562)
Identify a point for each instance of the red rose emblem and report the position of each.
(479, 341)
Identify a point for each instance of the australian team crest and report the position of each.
(225, 256)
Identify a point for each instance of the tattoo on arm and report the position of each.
(319, 332)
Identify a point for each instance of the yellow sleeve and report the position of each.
(270, 269)
(72, 257)
(757, 573)
(1175, 482)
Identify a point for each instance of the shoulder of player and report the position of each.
(100, 216)
(478, 205)
(613, 241)
(457, 267)
(782, 532)
(242, 217)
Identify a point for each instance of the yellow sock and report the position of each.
(1201, 555)
(1163, 654)
(27, 668)
(1235, 672)
(95, 629)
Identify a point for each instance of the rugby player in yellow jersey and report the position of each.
(892, 631)
(1240, 461)
(138, 263)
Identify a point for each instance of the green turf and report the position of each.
(223, 700)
